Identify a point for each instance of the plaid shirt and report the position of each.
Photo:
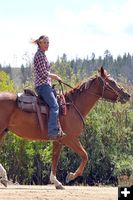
(41, 69)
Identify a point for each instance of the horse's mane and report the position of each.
(80, 87)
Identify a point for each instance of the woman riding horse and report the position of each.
(81, 100)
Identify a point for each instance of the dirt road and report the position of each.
(25, 192)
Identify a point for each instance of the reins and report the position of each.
(75, 107)
(103, 83)
(61, 82)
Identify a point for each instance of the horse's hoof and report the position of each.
(69, 177)
(60, 187)
(4, 182)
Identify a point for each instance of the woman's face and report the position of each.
(44, 44)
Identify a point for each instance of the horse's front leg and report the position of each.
(55, 157)
(77, 147)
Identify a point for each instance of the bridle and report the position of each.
(105, 86)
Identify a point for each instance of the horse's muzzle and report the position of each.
(124, 98)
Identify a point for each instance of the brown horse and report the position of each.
(82, 98)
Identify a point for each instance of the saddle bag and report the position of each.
(27, 103)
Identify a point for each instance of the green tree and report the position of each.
(6, 84)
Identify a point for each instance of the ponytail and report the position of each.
(37, 41)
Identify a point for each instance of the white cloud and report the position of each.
(93, 29)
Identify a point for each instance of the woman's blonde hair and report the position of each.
(37, 41)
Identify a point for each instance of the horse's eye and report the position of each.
(112, 81)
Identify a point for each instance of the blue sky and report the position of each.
(75, 27)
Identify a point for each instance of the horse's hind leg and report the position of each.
(2, 135)
(55, 158)
(77, 147)
(3, 129)
(3, 176)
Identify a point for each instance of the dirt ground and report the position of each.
(26, 192)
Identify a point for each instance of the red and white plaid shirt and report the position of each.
(41, 69)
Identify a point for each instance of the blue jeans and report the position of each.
(46, 92)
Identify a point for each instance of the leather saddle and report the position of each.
(28, 101)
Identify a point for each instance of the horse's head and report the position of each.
(110, 90)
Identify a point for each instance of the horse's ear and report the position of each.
(101, 71)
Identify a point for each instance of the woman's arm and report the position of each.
(55, 77)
